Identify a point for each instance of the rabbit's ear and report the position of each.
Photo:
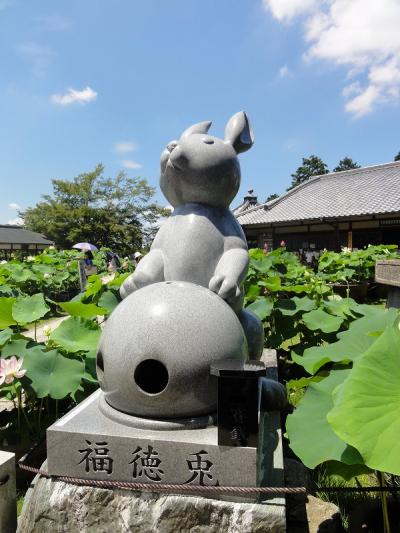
(201, 127)
(239, 133)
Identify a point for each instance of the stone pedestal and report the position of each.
(57, 507)
(88, 444)
(387, 272)
(8, 504)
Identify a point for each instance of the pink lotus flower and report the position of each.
(11, 369)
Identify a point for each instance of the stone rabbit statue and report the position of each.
(202, 242)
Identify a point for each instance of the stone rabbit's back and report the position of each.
(202, 242)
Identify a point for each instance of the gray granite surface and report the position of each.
(8, 503)
(57, 507)
(157, 347)
(202, 242)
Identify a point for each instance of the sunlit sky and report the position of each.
(89, 81)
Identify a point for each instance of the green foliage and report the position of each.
(349, 351)
(83, 310)
(397, 157)
(311, 166)
(53, 273)
(366, 410)
(76, 335)
(63, 368)
(352, 412)
(319, 319)
(347, 409)
(6, 317)
(29, 309)
(351, 344)
(346, 164)
(52, 374)
(109, 301)
(115, 213)
(272, 197)
(295, 306)
(353, 266)
(319, 443)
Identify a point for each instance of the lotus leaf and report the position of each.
(6, 318)
(5, 336)
(53, 374)
(294, 305)
(319, 319)
(19, 347)
(272, 283)
(30, 308)
(310, 435)
(345, 307)
(94, 287)
(75, 335)
(352, 343)
(82, 310)
(262, 307)
(366, 410)
(109, 301)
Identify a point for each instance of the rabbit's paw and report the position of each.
(226, 287)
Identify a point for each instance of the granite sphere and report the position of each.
(157, 346)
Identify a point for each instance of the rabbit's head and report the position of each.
(204, 169)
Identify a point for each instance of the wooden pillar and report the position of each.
(350, 236)
(350, 239)
(337, 236)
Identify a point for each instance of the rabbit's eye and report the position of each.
(172, 145)
(208, 140)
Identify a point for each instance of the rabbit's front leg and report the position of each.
(150, 270)
(229, 274)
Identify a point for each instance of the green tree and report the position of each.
(311, 166)
(397, 157)
(272, 197)
(346, 164)
(112, 212)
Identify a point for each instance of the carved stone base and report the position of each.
(87, 444)
(52, 506)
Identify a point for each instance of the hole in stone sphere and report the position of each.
(151, 376)
(99, 366)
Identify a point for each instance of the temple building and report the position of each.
(14, 238)
(352, 208)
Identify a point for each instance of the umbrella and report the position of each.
(85, 246)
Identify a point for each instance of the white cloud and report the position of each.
(284, 71)
(364, 102)
(129, 163)
(14, 205)
(124, 147)
(16, 222)
(361, 35)
(288, 9)
(38, 55)
(352, 88)
(72, 95)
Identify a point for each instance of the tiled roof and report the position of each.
(362, 191)
(249, 201)
(245, 206)
(17, 235)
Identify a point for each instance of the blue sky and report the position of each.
(83, 82)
